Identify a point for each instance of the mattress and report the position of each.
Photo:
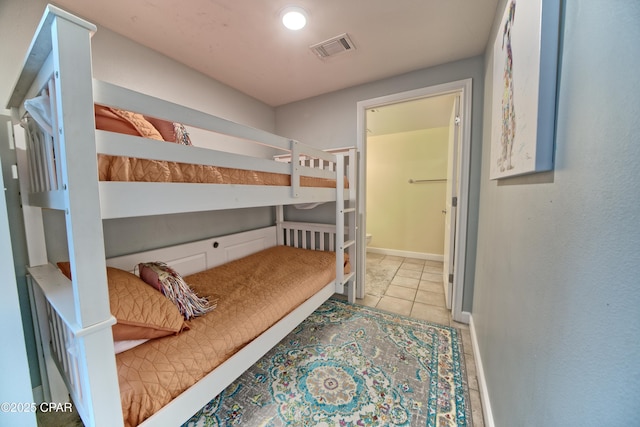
(131, 169)
(253, 293)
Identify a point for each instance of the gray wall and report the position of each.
(557, 285)
(15, 385)
(18, 245)
(329, 121)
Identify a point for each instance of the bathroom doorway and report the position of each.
(429, 137)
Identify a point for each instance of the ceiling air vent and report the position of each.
(334, 46)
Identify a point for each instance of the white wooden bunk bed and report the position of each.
(60, 171)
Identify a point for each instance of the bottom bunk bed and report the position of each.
(262, 288)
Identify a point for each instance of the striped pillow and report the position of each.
(172, 285)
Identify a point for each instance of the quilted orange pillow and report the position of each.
(171, 131)
(130, 123)
(165, 128)
(141, 311)
(122, 121)
(110, 121)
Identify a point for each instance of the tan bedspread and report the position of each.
(119, 168)
(254, 292)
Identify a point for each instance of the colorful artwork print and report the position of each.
(524, 83)
(508, 108)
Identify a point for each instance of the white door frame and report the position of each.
(452, 191)
(462, 87)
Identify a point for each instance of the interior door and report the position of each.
(450, 201)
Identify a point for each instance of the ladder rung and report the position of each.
(348, 243)
(349, 210)
(346, 278)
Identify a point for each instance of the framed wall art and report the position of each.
(525, 64)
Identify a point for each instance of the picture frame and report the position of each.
(525, 65)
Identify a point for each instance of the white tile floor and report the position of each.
(416, 290)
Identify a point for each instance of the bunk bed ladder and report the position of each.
(342, 237)
(346, 211)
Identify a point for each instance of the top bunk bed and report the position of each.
(65, 151)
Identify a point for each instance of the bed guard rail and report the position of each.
(45, 172)
(69, 344)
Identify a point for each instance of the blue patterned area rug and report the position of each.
(350, 365)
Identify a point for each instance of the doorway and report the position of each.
(457, 183)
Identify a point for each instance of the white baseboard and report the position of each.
(406, 254)
(465, 316)
(482, 381)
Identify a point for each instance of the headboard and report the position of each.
(189, 258)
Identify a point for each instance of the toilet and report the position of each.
(368, 239)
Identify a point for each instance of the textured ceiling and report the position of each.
(425, 113)
(241, 42)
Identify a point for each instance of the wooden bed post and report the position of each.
(74, 126)
(295, 169)
(354, 226)
(345, 209)
(279, 225)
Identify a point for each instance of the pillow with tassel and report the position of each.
(166, 280)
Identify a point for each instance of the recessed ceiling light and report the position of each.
(294, 18)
